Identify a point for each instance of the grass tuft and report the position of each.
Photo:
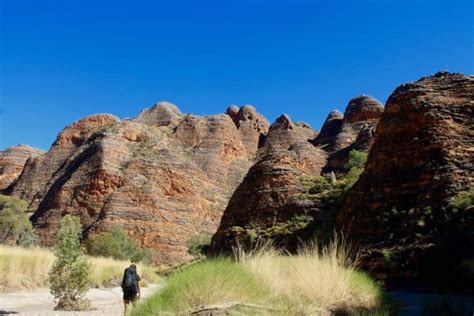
(210, 282)
(316, 280)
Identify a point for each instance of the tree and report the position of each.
(357, 159)
(15, 226)
(355, 166)
(69, 276)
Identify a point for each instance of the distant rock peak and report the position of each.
(363, 108)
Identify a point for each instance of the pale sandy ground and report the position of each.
(40, 302)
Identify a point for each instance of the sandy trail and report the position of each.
(40, 302)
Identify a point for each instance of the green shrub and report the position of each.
(464, 200)
(15, 226)
(69, 276)
(357, 159)
(354, 167)
(116, 244)
(199, 244)
(320, 184)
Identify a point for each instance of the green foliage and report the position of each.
(320, 184)
(15, 226)
(69, 276)
(355, 167)
(296, 223)
(463, 201)
(357, 159)
(116, 244)
(27, 238)
(198, 245)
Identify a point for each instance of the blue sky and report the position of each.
(63, 60)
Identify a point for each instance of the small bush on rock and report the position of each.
(116, 244)
(199, 244)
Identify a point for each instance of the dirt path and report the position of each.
(40, 302)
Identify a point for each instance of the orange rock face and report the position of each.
(164, 176)
(12, 162)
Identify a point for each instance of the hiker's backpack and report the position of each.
(129, 282)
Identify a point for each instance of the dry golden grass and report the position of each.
(28, 269)
(268, 282)
(314, 279)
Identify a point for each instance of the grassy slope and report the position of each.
(306, 283)
(28, 269)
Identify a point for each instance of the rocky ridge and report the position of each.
(12, 162)
(164, 176)
(167, 176)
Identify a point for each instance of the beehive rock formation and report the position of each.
(12, 162)
(422, 157)
(272, 195)
(167, 176)
(164, 176)
(267, 196)
(355, 130)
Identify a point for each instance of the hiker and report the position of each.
(130, 286)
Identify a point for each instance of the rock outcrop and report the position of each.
(422, 157)
(167, 176)
(272, 202)
(268, 196)
(164, 176)
(355, 130)
(12, 162)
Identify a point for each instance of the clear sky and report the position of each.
(63, 60)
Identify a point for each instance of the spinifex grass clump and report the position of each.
(212, 282)
(269, 283)
(316, 279)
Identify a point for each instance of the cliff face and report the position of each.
(12, 162)
(164, 176)
(421, 159)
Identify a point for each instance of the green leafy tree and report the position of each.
(15, 226)
(357, 159)
(69, 276)
(355, 166)
(116, 244)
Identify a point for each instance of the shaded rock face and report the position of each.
(164, 176)
(422, 157)
(355, 130)
(268, 196)
(331, 128)
(12, 162)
